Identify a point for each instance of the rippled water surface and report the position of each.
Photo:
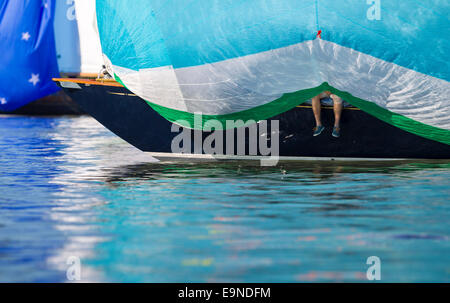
(68, 187)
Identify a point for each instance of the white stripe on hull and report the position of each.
(209, 157)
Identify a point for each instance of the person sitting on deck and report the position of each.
(337, 107)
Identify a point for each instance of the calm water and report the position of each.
(68, 187)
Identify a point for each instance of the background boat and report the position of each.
(78, 54)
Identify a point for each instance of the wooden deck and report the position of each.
(103, 82)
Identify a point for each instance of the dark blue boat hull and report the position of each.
(363, 136)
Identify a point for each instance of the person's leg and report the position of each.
(337, 107)
(316, 109)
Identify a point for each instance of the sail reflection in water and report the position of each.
(70, 188)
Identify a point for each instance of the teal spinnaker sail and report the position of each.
(252, 60)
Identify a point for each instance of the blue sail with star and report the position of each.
(28, 55)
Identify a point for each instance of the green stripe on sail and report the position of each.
(397, 120)
(291, 100)
(262, 112)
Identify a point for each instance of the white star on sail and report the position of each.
(34, 79)
(26, 36)
(3, 101)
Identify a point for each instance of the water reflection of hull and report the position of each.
(316, 171)
(363, 136)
